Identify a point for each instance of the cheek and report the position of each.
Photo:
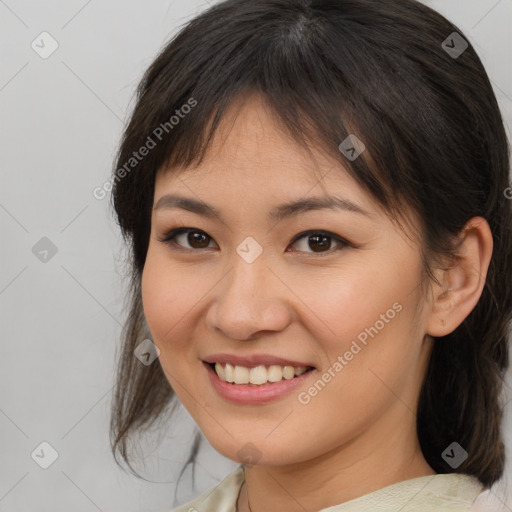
(173, 296)
(359, 299)
(369, 319)
(166, 299)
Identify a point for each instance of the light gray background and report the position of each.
(61, 120)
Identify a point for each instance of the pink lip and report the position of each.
(251, 361)
(250, 394)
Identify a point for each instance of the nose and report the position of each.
(249, 302)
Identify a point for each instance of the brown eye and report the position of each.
(195, 238)
(318, 241)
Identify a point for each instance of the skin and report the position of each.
(358, 434)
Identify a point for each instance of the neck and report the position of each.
(333, 478)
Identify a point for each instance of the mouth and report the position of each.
(260, 375)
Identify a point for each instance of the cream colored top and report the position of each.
(452, 492)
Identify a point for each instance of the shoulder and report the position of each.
(451, 492)
(221, 498)
(488, 501)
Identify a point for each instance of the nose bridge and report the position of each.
(249, 268)
(250, 298)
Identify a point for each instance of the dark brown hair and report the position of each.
(432, 128)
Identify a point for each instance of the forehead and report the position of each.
(251, 146)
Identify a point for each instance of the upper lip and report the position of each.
(253, 360)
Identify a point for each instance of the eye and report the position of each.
(196, 238)
(319, 241)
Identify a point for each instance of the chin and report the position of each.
(257, 453)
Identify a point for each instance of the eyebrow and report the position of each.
(278, 213)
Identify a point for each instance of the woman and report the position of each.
(321, 244)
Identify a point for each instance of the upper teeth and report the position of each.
(257, 375)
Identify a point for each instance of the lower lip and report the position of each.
(245, 394)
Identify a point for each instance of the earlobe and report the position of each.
(462, 283)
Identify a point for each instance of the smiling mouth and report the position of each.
(258, 375)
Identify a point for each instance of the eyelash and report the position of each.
(169, 239)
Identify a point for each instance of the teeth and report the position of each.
(258, 375)
(241, 375)
(229, 372)
(221, 372)
(275, 373)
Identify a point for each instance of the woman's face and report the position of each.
(254, 288)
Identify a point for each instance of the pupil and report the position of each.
(197, 238)
(321, 240)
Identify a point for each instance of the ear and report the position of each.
(462, 283)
